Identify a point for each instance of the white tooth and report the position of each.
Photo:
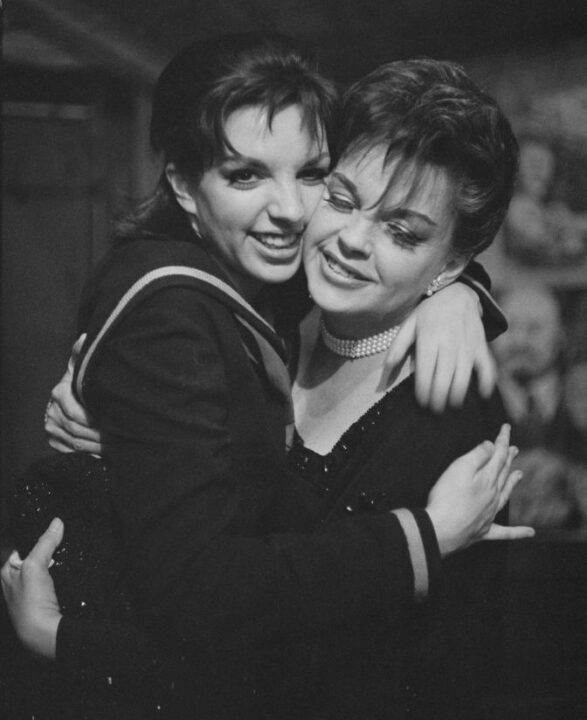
(276, 241)
(338, 269)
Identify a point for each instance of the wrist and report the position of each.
(448, 540)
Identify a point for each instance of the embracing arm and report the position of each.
(447, 335)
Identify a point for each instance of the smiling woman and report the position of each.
(257, 198)
(370, 258)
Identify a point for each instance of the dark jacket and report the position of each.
(217, 553)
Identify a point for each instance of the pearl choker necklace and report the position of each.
(361, 347)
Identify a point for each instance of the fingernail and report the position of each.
(56, 524)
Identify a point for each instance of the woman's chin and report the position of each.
(277, 272)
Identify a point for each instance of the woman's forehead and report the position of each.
(284, 140)
(394, 180)
(264, 117)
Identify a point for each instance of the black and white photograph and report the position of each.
(293, 360)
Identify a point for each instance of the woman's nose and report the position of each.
(353, 238)
(287, 204)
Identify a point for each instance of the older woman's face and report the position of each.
(369, 259)
(253, 205)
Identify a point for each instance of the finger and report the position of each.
(500, 454)
(42, 552)
(56, 445)
(460, 382)
(59, 436)
(59, 424)
(64, 405)
(76, 350)
(82, 432)
(425, 366)
(486, 371)
(506, 469)
(13, 563)
(442, 381)
(14, 560)
(401, 345)
(501, 532)
(507, 490)
(75, 445)
(502, 441)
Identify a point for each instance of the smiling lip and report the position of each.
(277, 241)
(342, 270)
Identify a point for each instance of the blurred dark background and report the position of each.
(77, 77)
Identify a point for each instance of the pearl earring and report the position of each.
(435, 285)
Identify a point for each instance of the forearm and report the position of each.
(251, 611)
(295, 583)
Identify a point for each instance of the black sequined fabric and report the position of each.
(76, 488)
(324, 472)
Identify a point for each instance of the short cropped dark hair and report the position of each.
(428, 112)
(210, 79)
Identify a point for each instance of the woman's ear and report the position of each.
(181, 189)
(453, 269)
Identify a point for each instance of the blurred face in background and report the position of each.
(533, 342)
(536, 168)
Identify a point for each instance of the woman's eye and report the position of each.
(243, 177)
(313, 175)
(402, 235)
(339, 202)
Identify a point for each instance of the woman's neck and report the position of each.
(358, 327)
(331, 392)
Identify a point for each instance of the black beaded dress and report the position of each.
(442, 662)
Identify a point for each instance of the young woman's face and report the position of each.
(253, 206)
(369, 259)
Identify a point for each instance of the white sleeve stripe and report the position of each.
(416, 550)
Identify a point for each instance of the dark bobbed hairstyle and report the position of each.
(429, 112)
(210, 79)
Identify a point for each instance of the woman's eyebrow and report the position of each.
(406, 213)
(238, 159)
(349, 185)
